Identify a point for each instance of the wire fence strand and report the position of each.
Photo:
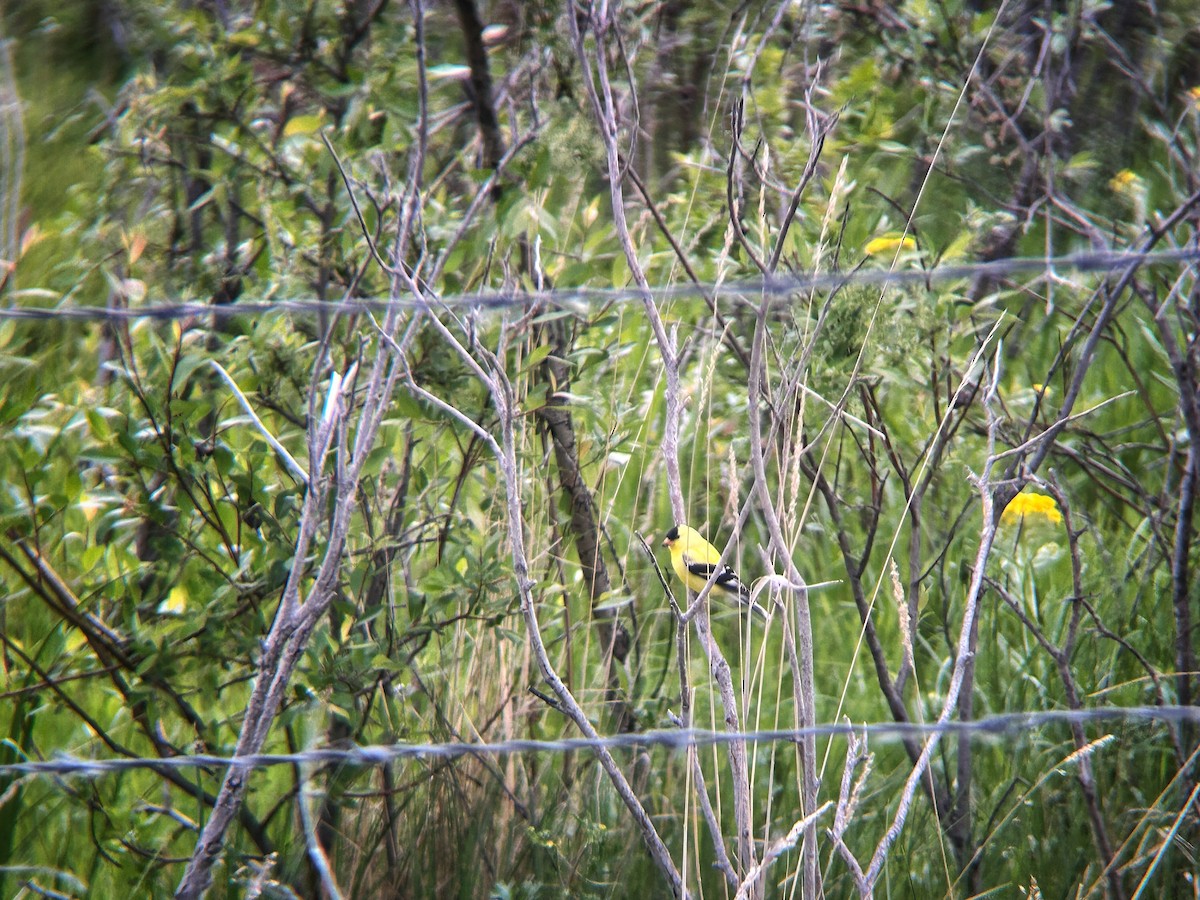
(996, 727)
(774, 286)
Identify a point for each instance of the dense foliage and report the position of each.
(988, 476)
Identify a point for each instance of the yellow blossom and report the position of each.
(1131, 188)
(1125, 182)
(1024, 505)
(886, 244)
(176, 601)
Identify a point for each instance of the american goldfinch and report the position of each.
(695, 560)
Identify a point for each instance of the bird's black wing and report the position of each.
(727, 580)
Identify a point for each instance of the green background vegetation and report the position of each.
(168, 153)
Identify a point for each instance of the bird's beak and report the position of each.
(666, 542)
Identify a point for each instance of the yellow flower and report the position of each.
(1131, 188)
(1194, 93)
(886, 244)
(1125, 182)
(1024, 505)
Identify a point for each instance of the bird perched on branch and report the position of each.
(695, 560)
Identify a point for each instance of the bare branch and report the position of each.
(288, 460)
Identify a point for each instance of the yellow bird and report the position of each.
(695, 560)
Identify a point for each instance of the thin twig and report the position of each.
(288, 460)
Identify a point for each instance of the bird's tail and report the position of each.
(744, 594)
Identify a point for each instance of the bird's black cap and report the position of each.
(673, 534)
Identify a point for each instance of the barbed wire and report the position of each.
(771, 286)
(994, 726)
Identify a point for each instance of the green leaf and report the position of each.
(385, 663)
(302, 125)
(535, 357)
